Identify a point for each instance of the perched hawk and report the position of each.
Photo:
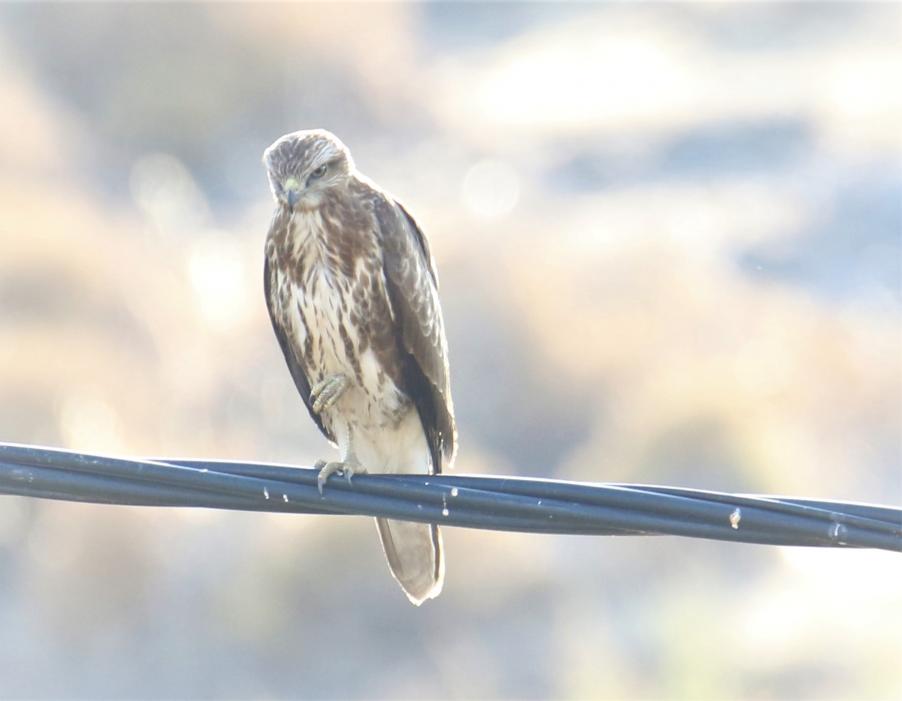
(353, 297)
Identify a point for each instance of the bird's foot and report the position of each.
(325, 393)
(348, 468)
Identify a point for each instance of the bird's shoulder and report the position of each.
(400, 236)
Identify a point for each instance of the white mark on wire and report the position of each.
(838, 533)
(735, 518)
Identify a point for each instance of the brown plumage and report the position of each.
(352, 294)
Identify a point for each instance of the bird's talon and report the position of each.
(352, 469)
(326, 469)
(328, 391)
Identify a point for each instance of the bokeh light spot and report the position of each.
(490, 189)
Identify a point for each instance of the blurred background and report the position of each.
(669, 240)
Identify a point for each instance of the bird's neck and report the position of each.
(324, 240)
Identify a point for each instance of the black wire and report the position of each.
(498, 503)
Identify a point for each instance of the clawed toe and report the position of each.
(325, 393)
(349, 468)
(325, 470)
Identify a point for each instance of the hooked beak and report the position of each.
(292, 189)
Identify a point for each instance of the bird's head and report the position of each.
(303, 165)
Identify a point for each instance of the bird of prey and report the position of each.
(352, 293)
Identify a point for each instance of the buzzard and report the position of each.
(352, 294)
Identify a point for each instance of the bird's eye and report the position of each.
(318, 173)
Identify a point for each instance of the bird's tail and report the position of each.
(415, 558)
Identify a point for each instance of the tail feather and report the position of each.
(415, 558)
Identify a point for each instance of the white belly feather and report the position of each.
(372, 418)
